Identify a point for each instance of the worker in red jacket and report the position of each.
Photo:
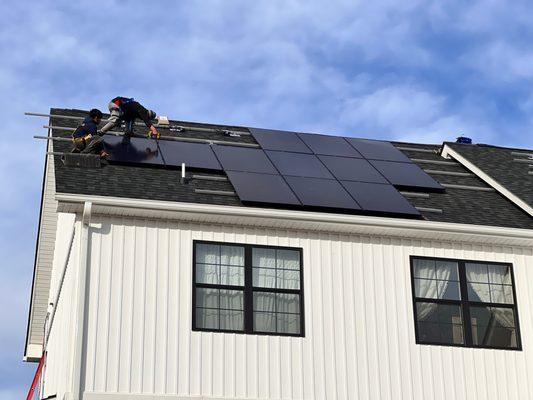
(128, 110)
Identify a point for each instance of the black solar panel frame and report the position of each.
(378, 150)
(244, 159)
(352, 169)
(308, 165)
(329, 145)
(254, 188)
(270, 139)
(325, 193)
(372, 196)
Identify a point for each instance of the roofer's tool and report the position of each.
(124, 109)
(86, 139)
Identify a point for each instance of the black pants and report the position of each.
(93, 146)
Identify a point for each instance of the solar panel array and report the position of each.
(162, 153)
(296, 169)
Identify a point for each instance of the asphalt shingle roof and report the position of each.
(504, 165)
(141, 182)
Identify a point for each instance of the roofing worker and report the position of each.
(128, 110)
(85, 137)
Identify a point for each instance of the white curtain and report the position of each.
(492, 284)
(432, 283)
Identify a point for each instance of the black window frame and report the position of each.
(465, 304)
(248, 289)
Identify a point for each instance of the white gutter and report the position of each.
(294, 219)
(448, 152)
(83, 244)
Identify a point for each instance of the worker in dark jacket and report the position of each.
(128, 110)
(85, 137)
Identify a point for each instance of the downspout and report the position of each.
(83, 244)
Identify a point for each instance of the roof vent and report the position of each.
(464, 140)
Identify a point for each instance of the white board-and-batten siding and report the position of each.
(359, 326)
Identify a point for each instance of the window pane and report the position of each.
(448, 290)
(477, 273)
(499, 274)
(232, 255)
(501, 294)
(207, 273)
(478, 292)
(288, 323)
(441, 313)
(446, 270)
(207, 253)
(288, 259)
(493, 326)
(288, 303)
(426, 288)
(264, 301)
(430, 332)
(439, 323)
(206, 318)
(264, 322)
(233, 276)
(424, 269)
(207, 298)
(231, 299)
(288, 279)
(232, 320)
(264, 258)
(263, 277)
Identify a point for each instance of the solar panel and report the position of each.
(329, 145)
(321, 193)
(298, 164)
(406, 175)
(262, 188)
(279, 140)
(379, 198)
(244, 159)
(352, 169)
(194, 155)
(138, 151)
(378, 150)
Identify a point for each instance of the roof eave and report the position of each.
(297, 220)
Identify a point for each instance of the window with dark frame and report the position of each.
(247, 289)
(464, 303)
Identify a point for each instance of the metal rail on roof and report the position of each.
(415, 194)
(428, 209)
(173, 138)
(215, 192)
(437, 162)
(172, 127)
(466, 187)
(416, 149)
(452, 173)
(210, 177)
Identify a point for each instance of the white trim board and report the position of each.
(296, 220)
(448, 152)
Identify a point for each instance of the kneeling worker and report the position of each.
(127, 110)
(85, 137)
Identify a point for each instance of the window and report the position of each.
(464, 303)
(248, 289)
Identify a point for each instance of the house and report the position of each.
(283, 266)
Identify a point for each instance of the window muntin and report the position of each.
(247, 288)
(464, 303)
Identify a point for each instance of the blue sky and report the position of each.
(423, 71)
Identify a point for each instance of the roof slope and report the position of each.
(509, 167)
(456, 204)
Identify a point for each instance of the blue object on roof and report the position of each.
(464, 140)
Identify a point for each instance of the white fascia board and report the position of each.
(448, 152)
(297, 220)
